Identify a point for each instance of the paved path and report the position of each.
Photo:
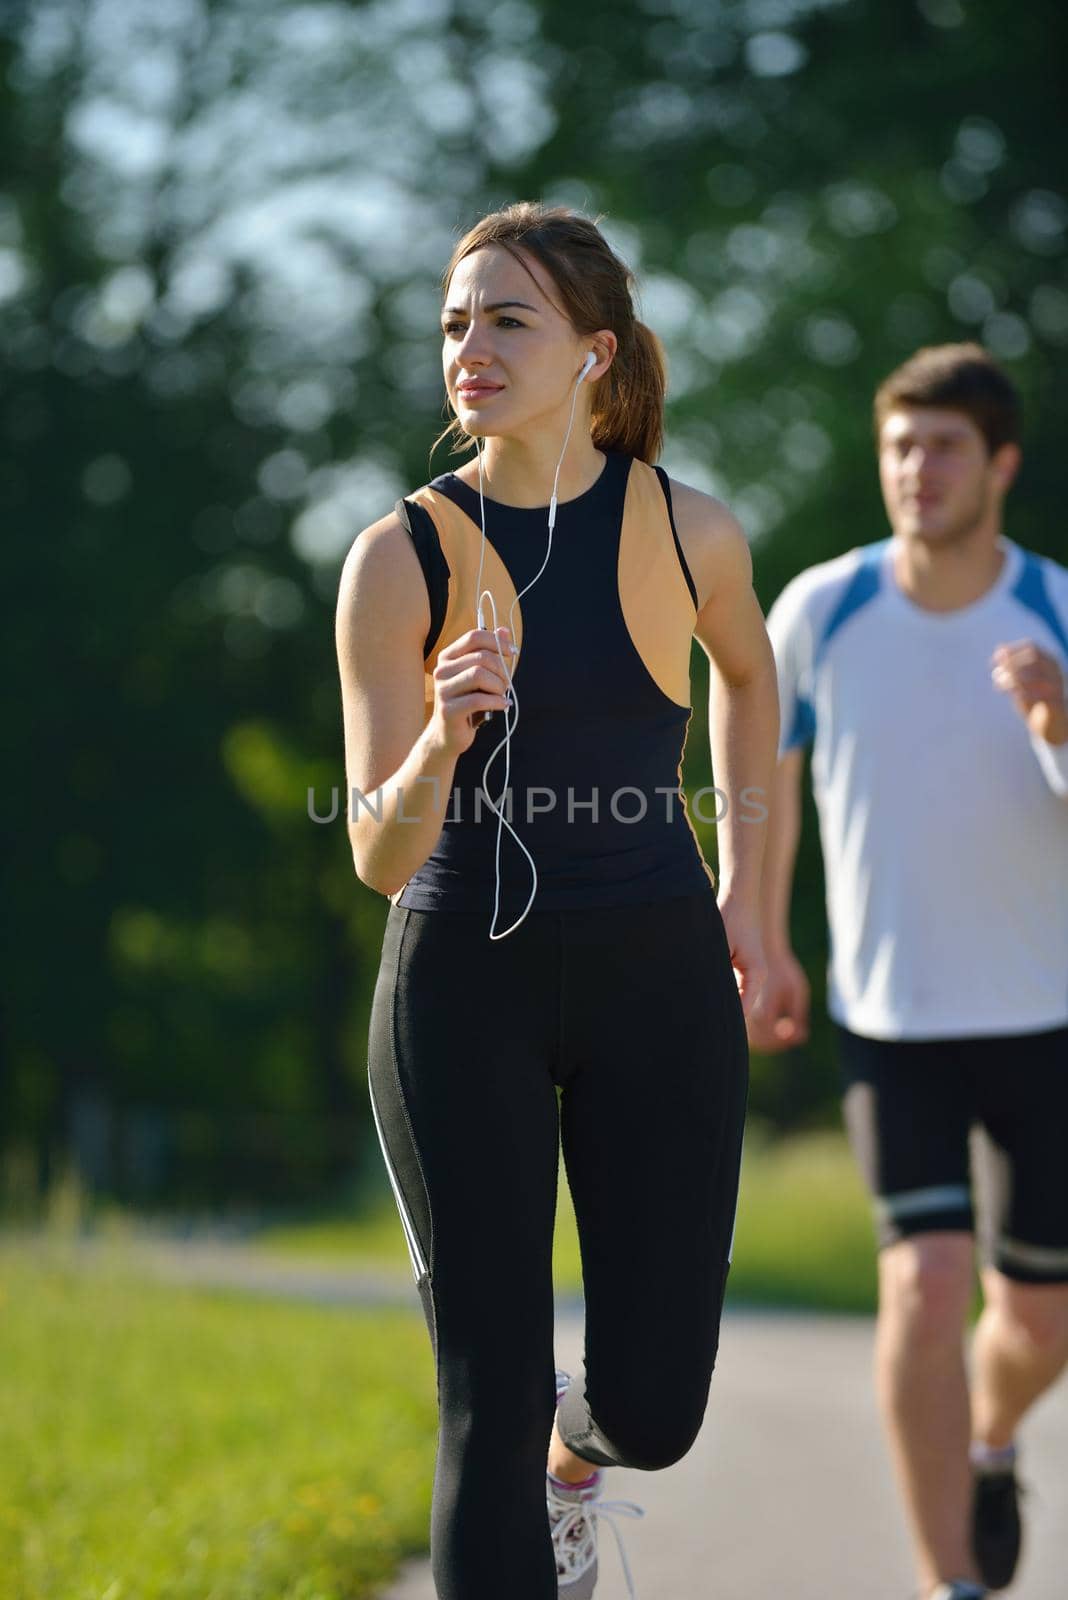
(216, 1263)
(787, 1494)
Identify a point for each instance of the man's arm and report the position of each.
(780, 852)
(1036, 683)
(743, 714)
(780, 1020)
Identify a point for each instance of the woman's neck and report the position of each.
(520, 472)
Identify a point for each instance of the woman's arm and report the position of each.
(383, 614)
(743, 711)
(399, 762)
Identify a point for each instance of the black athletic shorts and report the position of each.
(911, 1106)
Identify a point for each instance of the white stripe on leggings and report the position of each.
(419, 1267)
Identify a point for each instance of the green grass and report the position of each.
(804, 1235)
(159, 1442)
(373, 1237)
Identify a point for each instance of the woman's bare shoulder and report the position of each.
(712, 539)
(381, 580)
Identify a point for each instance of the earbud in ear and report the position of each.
(590, 361)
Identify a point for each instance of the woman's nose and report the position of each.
(472, 348)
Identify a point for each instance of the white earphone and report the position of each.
(510, 725)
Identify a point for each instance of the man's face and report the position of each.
(938, 480)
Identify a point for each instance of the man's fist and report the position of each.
(1035, 681)
(780, 1018)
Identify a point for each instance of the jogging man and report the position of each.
(928, 671)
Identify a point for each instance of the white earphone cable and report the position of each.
(510, 722)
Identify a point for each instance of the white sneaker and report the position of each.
(573, 1518)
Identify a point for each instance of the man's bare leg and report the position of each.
(925, 1289)
(1020, 1349)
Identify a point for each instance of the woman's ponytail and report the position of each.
(629, 414)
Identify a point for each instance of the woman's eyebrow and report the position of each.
(499, 305)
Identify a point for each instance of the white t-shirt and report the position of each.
(944, 824)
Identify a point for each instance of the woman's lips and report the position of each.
(481, 391)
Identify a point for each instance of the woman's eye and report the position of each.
(458, 327)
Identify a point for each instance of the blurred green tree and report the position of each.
(221, 227)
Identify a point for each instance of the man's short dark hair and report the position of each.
(961, 377)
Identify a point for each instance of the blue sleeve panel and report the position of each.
(860, 588)
(802, 729)
(1032, 591)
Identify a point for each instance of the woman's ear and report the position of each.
(604, 345)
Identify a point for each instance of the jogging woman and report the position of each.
(555, 963)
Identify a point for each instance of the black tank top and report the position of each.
(602, 681)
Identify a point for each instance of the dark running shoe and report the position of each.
(996, 1530)
(958, 1591)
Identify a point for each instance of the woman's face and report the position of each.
(510, 357)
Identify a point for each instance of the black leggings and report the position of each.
(632, 1013)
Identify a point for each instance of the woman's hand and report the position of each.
(747, 951)
(469, 680)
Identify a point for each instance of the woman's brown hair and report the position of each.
(595, 289)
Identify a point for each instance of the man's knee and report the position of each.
(1036, 1313)
(925, 1285)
